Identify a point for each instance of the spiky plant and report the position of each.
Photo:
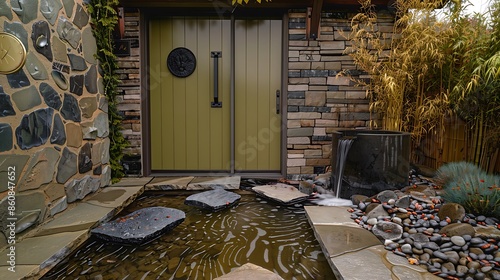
(471, 187)
(453, 170)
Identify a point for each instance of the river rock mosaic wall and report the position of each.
(53, 116)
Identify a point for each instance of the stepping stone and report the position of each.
(210, 183)
(250, 271)
(140, 226)
(281, 193)
(169, 183)
(214, 200)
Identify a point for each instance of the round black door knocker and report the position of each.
(181, 62)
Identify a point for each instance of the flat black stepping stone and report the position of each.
(140, 226)
(281, 193)
(214, 200)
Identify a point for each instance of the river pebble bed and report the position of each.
(417, 224)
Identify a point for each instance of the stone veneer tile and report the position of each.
(6, 137)
(59, 49)
(16, 161)
(34, 129)
(27, 98)
(40, 169)
(5, 11)
(35, 67)
(74, 135)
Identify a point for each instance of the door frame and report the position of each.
(145, 17)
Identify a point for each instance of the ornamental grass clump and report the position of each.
(471, 187)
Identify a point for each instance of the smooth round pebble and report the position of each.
(458, 240)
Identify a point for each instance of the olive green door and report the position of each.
(187, 133)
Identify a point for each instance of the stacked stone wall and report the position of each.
(130, 95)
(319, 100)
(54, 145)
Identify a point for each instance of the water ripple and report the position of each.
(207, 245)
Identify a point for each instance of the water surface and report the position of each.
(207, 245)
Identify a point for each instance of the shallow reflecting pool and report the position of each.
(207, 245)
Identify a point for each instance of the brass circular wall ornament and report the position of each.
(12, 53)
(181, 62)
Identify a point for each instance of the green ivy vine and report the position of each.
(104, 18)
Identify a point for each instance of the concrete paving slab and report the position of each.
(115, 197)
(250, 271)
(129, 181)
(329, 215)
(43, 252)
(81, 217)
(208, 183)
(169, 183)
(281, 193)
(361, 265)
(20, 271)
(337, 239)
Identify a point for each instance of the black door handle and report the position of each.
(215, 55)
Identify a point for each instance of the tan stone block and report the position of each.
(332, 45)
(337, 66)
(339, 81)
(298, 43)
(297, 31)
(313, 43)
(296, 102)
(313, 153)
(136, 127)
(293, 59)
(295, 162)
(335, 94)
(309, 57)
(326, 123)
(306, 170)
(327, 151)
(317, 81)
(299, 65)
(293, 124)
(74, 135)
(325, 37)
(319, 131)
(291, 155)
(296, 81)
(293, 170)
(299, 140)
(317, 161)
(330, 116)
(358, 108)
(295, 152)
(306, 123)
(293, 54)
(355, 94)
(318, 65)
(314, 98)
(303, 115)
(301, 147)
(298, 87)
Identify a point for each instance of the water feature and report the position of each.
(207, 245)
(343, 147)
(376, 160)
